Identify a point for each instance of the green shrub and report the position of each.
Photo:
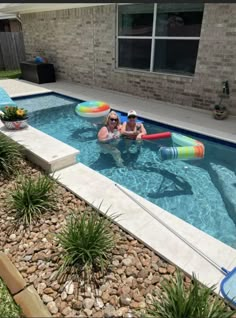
(10, 155)
(8, 308)
(197, 301)
(87, 242)
(32, 197)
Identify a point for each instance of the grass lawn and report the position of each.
(10, 74)
(8, 308)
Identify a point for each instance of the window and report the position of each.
(159, 37)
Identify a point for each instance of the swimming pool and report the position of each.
(201, 192)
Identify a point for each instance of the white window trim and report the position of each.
(128, 37)
(153, 37)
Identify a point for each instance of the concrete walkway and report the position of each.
(179, 116)
(172, 114)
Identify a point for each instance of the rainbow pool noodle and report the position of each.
(191, 149)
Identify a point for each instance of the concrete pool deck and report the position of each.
(95, 188)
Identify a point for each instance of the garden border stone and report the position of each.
(26, 297)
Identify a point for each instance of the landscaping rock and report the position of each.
(63, 295)
(47, 298)
(67, 312)
(136, 272)
(69, 288)
(52, 307)
(98, 303)
(31, 269)
(41, 288)
(109, 311)
(162, 270)
(12, 237)
(88, 303)
(143, 273)
(171, 269)
(128, 261)
(125, 300)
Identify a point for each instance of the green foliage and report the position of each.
(197, 301)
(87, 242)
(32, 197)
(11, 113)
(10, 155)
(10, 74)
(220, 108)
(8, 308)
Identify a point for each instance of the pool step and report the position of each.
(42, 149)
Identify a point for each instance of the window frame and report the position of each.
(153, 39)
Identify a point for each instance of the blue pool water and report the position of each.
(201, 192)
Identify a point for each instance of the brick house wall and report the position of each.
(81, 43)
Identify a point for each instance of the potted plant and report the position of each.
(13, 117)
(220, 111)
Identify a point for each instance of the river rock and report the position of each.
(69, 288)
(128, 261)
(12, 237)
(48, 290)
(67, 311)
(47, 298)
(155, 279)
(125, 300)
(77, 305)
(109, 311)
(63, 295)
(170, 269)
(121, 311)
(41, 287)
(31, 269)
(52, 307)
(88, 303)
(162, 270)
(143, 273)
(98, 303)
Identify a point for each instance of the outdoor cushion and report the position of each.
(5, 99)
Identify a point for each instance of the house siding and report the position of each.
(81, 43)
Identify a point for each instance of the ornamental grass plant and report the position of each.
(10, 156)
(87, 242)
(196, 301)
(32, 197)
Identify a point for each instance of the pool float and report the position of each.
(189, 149)
(92, 109)
(156, 136)
(5, 99)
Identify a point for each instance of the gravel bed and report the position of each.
(136, 272)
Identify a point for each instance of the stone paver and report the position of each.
(31, 304)
(10, 275)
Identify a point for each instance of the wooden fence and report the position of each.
(12, 50)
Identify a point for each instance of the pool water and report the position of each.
(201, 192)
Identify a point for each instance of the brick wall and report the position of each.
(81, 44)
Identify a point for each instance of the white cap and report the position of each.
(132, 113)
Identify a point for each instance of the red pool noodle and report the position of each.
(157, 136)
